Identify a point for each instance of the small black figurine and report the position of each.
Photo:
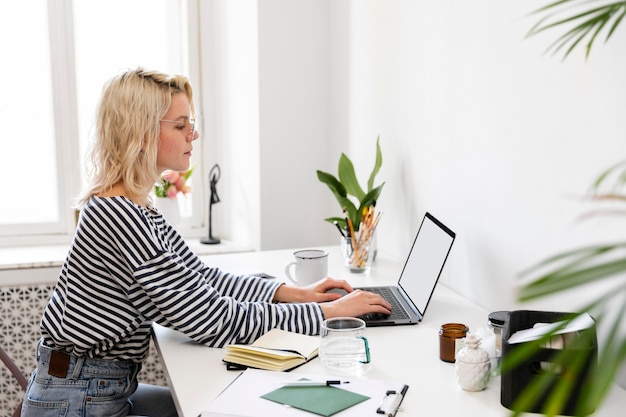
(214, 177)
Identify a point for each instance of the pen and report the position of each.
(336, 223)
(306, 383)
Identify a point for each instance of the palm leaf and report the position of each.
(576, 268)
(606, 175)
(612, 353)
(549, 387)
(587, 24)
(575, 273)
(574, 361)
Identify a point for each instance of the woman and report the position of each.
(127, 268)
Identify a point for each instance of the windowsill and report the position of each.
(52, 256)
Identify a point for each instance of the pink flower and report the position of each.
(171, 176)
(172, 191)
(172, 183)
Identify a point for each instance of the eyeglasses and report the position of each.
(191, 122)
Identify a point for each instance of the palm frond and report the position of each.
(582, 26)
(577, 268)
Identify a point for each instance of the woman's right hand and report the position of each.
(356, 303)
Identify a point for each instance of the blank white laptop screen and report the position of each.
(416, 284)
(425, 262)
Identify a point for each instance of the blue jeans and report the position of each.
(92, 388)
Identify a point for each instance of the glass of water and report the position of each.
(344, 349)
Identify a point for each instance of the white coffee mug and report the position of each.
(310, 265)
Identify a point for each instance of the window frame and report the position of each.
(66, 131)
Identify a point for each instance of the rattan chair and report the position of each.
(21, 379)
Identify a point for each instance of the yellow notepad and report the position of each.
(276, 350)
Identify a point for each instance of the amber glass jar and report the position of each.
(449, 333)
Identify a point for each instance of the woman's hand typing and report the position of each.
(334, 304)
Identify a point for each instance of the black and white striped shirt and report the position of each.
(127, 268)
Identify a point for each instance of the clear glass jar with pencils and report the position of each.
(358, 247)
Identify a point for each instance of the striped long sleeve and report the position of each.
(127, 268)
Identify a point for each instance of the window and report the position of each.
(62, 54)
(28, 120)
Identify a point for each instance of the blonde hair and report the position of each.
(127, 128)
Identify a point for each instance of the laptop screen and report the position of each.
(425, 261)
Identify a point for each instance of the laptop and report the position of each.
(419, 277)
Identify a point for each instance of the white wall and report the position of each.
(265, 79)
(229, 77)
(477, 126)
(482, 129)
(293, 113)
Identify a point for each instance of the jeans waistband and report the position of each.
(63, 365)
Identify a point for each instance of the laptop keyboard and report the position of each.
(397, 311)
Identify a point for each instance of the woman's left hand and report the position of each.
(317, 292)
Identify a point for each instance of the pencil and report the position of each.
(352, 237)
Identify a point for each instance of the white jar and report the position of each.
(472, 365)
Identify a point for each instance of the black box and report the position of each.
(514, 381)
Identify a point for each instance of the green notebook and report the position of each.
(322, 400)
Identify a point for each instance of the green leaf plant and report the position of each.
(352, 198)
(574, 269)
(583, 21)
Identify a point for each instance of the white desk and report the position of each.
(407, 354)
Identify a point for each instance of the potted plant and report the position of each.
(583, 21)
(359, 220)
(172, 183)
(346, 188)
(574, 269)
(167, 190)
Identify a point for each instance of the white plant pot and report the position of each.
(169, 208)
